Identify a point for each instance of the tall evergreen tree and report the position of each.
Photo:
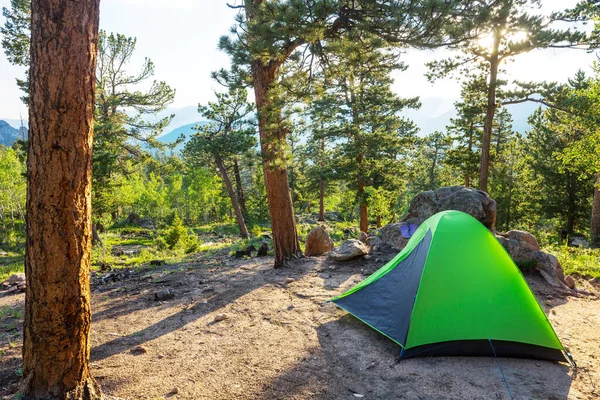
(228, 135)
(268, 33)
(513, 27)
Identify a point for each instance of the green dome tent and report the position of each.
(454, 290)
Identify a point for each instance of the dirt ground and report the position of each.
(279, 339)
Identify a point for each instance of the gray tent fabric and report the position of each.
(387, 303)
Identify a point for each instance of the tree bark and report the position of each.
(321, 200)
(234, 202)
(595, 225)
(484, 167)
(56, 347)
(239, 189)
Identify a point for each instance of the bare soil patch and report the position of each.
(239, 329)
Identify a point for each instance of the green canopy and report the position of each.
(454, 290)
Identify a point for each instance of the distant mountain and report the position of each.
(8, 134)
(185, 130)
(436, 112)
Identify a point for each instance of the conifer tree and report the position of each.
(228, 135)
(512, 28)
(268, 33)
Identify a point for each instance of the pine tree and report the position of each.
(268, 33)
(512, 27)
(56, 344)
(227, 137)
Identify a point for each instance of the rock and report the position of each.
(3, 253)
(390, 235)
(318, 242)
(219, 318)
(367, 257)
(138, 350)
(525, 252)
(348, 250)
(471, 201)
(163, 295)
(22, 287)
(362, 236)
(12, 289)
(374, 241)
(157, 262)
(570, 281)
(548, 302)
(263, 249)
(246, 252)
(289, 280)
(578, 241)
(16, 279)
(174, 391)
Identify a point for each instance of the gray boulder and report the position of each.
(318, 242)
(471, 201)
(363, 236)
(390, 235)
(348, 250)
(526, 253)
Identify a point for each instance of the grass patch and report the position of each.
(583, 262)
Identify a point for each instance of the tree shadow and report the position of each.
(354, 361)
(224, 287)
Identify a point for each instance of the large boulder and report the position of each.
(526, 253)
(390, 235)
(348, 250)
(318, 242)
(471, 201)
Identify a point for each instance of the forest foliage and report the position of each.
(349, 153)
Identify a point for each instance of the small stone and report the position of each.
(174, 391)
(289, 280)
(163, 295)
(367, 257)
(211, 369)
(157, 262)
(291, 307)
(537, 364)
(549, 302)
(570, 281)
(22, 288)
(219, 318)
(371, 366)
(16, 279)
(12, 289)
(332, 267)
(138, 350)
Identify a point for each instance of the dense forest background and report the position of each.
(351, 158)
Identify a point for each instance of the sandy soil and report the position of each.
(281, 340)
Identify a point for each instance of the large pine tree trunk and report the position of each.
(595, 225)
(232, 196)
(272, 143)
(321, 200)
(56, 345)
(484, 168)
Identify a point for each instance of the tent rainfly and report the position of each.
(454, 291)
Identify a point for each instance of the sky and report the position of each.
(181, 36)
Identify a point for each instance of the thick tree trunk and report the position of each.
(595, 225)
(234, 202)
(56, 345)
(240, 189)
(272, 143)
(484, 167)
